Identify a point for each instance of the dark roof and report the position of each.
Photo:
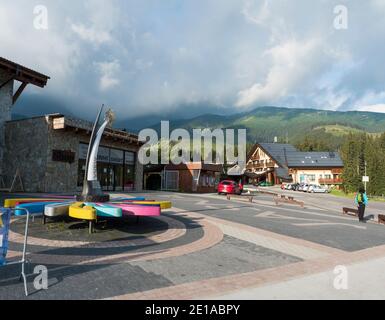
(314, 159)
(23, 74)
(278, 151)
(287, 155)
(283, 173)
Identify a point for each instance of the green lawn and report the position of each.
(340, 193)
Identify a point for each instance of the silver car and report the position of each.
(317, 189)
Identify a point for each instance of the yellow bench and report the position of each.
(163, 204)
(82, 212)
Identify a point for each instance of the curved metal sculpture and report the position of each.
(92, 191)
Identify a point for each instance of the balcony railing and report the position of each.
(330, 181)
(261, 165)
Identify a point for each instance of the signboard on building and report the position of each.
(109, 155)
(103, 153)
(63, 156)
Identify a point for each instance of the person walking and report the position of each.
(361, 201)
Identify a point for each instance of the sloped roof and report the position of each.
(314, 159)
(283, 173)
(278, 151)
(23, 74)
(286, 155)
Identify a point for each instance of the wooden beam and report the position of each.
(19, 91)
(6, 81)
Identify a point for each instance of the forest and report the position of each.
(357, 150)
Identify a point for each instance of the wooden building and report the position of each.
(276, 163)
(187, 177)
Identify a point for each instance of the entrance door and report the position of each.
(106, 176)
(118, 177)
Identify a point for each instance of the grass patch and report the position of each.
(341, 193)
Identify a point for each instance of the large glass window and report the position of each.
(116, 168)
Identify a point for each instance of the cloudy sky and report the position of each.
(150, 56)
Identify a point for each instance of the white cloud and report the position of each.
(108, 72)
(371, 101)
(254, 13)
(90, 34)
(235, 54)
(291, 63)
(373, 108)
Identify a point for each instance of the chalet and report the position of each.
(276, 163)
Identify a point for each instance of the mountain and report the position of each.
(262, 123)
(265, 123)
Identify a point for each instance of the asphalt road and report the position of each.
(321, 226)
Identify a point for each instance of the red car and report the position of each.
(228, 186)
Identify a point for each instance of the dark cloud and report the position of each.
(174, 57)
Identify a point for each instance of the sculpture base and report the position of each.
(93, 198)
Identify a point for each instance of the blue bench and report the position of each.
(5, 221)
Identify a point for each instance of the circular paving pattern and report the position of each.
(67, 242)
(108, 233)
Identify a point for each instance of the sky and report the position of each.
(145, 57)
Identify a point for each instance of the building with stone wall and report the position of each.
(50, 153)
(10, 72)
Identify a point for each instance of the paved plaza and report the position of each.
(205, 247)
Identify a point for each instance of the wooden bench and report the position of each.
(266, 192)
(350, 211)
(290, 200)
(249, 197)
(381, 219)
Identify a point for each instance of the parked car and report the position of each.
(295, 186)
(300, 187)
(317, 189)
(229, 187)
(305, 187)
(265, 184)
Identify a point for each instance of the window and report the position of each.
(171, 180)
(311, 177)
(115, 168)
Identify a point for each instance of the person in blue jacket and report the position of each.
(361, 201)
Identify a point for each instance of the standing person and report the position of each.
(361, 201)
